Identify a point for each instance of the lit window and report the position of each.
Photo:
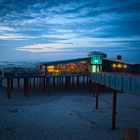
(114, 65)
(119, 65)
(124, 66)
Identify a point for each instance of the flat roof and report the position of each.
(121, 61)
(65, 61)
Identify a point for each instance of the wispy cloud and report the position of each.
(66, 25)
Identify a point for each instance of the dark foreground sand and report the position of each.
(65, 115)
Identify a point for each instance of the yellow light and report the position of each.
(114, 65)
(125, 66)
(50, 68)
(119, 65)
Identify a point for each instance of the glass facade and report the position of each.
(96, 61)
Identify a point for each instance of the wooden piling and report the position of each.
(114, 100)
(66, 83)
(26, 87)
(53, 81)
(11, 84)
(83, 79)
(77, 81)
(97, 95)
(44, 84)
(8, 88)
(34, 82)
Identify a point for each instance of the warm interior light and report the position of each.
(50, 68)
(125, 66)
(114, 65)
(119, 65)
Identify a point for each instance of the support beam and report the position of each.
(69, 83)
(77, 81)
(8, 88)
(97, 88)
(66, 83)
(114, 100)
(34, 82)
(83, 79)
(48, 85)
(26, 87)
(73, 80)
(90, 86)
(11, 84)
(53, 81)
(93, 89)
(18, 82)
(44, 84)
(87, 79)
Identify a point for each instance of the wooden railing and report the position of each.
(128, 83)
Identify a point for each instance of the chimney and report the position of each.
(119, 57)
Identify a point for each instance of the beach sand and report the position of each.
(63, 115)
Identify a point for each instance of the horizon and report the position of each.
(52, 30)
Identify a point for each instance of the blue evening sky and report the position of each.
(44, 30)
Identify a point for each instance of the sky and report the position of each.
(46, 30)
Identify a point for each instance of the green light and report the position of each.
(93, 68)
(96, 60)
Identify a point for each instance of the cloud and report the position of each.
(41, 48)
(66, 25)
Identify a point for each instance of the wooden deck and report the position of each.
(117, 82)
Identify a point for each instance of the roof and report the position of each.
(121, 61)
(97, 53)
(65, 61)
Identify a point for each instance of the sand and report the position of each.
(65, 115)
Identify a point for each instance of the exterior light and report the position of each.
(124, 66)
(114, 65)
(119, 65)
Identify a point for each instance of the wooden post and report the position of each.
(69, 82)
(40, 82)
(54, 81)
(62, 80)
(87, 79)
(8, 88)
(66, 83)
(77, 81)
(11, 84)
(48, 85)
(34, 82)
(73, 80)
(93, 89)
(30, 82)
(37, 80)
(97, 95)
(90, 86)
(18, 82)
(44, 84)
(114, 109)
(26, 87)
(83, 79)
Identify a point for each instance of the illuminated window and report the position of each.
(114, 65)
(96, 60)
(50, 68)
(119, 65)
(93, 68)
(124, 66)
